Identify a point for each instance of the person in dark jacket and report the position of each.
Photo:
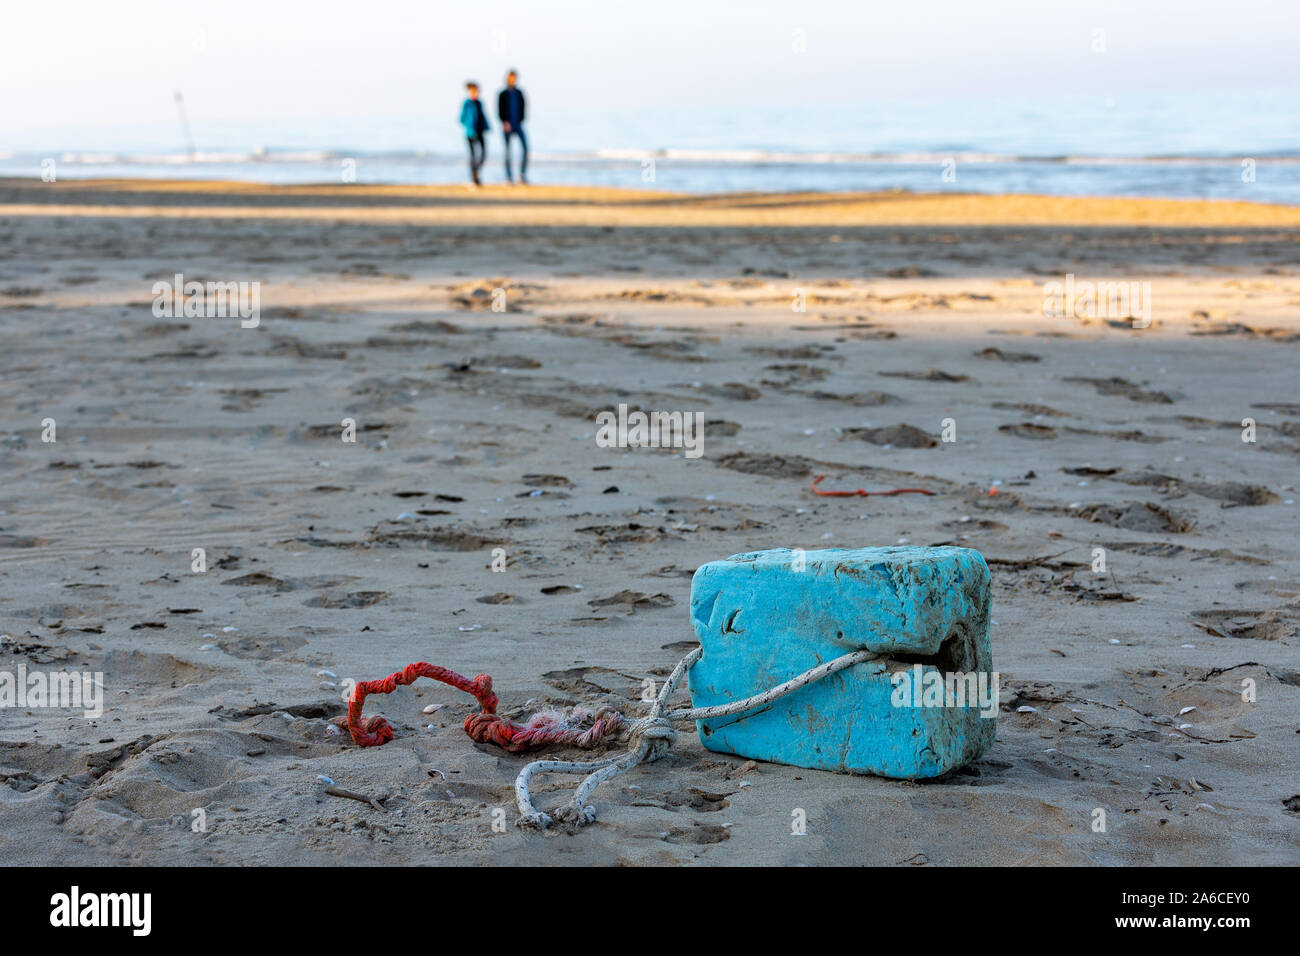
(510, 110)
(474, 121)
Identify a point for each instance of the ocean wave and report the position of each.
(701, 157)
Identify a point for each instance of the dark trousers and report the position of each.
(477, 155)
(523, 144)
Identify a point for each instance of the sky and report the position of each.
(80, 73)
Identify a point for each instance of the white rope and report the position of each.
(651, 737)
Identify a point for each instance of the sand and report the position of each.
(475, 432)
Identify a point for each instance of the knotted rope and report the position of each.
(650, 737)
(487, 726)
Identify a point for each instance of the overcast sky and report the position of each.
(89, 65)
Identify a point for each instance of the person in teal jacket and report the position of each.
(474, 121)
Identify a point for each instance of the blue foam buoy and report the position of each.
(927, 706)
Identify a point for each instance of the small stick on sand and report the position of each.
(353, 795)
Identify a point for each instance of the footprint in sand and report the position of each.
(895, 436)
(505, 361)
(1239, 328)
(911, 272)
(998, 355)
(796, 353)
(1088, 471)
(929, 375)
(354, 599)
(770, 466)
(432, 539)
(796, 373)
(1029, 430)
(735, 391)
(1137, 516)
(547, 481)
(1134, 434)
(424, 326)
(260, 579)
(1120, 386)
(1251, 625)
(633, 601)
(703, 801)
(969, 524)
(261, 649)
(1030, 408)
(697, 834)
(857, 399)
(1231, 493)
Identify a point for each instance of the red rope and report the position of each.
(862, 493)
(486, 726)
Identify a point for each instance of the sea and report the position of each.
(1240, 144)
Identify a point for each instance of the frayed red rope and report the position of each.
(487, 726)
(860, 492)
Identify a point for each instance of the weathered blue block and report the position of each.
(762, 620)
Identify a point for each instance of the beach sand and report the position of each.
(1121, 691)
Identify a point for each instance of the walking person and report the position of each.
(510, 110)
(474, 121)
